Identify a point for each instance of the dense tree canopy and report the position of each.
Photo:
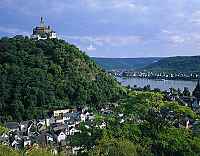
(154, 126)
(49, 74)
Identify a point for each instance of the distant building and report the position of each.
(43, 32)
(196, 92)
(13, 126)
(60, 113)
(194, 100)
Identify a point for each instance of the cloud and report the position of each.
(180, 38)
(105, 40)
(173, 38)
(7, 3)
(195, 18)
(13, 31)
(91, 48)
(31, 7)
(166, 31)
(177, 39)
(94, 45)
(60, 7)
(107, 27)
(114, 4)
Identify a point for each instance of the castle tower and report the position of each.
(43, 32)
(42, 22)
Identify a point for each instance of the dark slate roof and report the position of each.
(62, 127)
(12, 125)
(72, 115)
(56, 125)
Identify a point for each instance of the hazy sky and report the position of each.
(111, 28)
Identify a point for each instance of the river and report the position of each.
(161, 84)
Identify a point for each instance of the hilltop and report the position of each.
(37, 76)
(125, 63)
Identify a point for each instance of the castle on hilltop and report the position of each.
(43, 32)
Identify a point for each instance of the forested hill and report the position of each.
(176, 64)
(124, 63)
(37, 76)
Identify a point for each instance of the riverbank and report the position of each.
(160, 84)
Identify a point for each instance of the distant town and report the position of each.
(154, 75)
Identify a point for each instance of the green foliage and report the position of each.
(34, 151)
(114, 147)
(3, 130)
(38, 152)
(36, 76)
(124, 63)
(176, 64)
(87, 138)
(174, 141)
(180, 111)
(152, 125)
(138, 103)
(6, 151)
(127, 131)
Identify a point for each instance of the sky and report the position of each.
(111, 28)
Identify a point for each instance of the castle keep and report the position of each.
(43, 32)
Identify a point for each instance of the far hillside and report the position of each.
(183, 64)
(125, 63)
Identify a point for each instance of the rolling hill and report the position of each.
(125, 63)
(183, 64)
